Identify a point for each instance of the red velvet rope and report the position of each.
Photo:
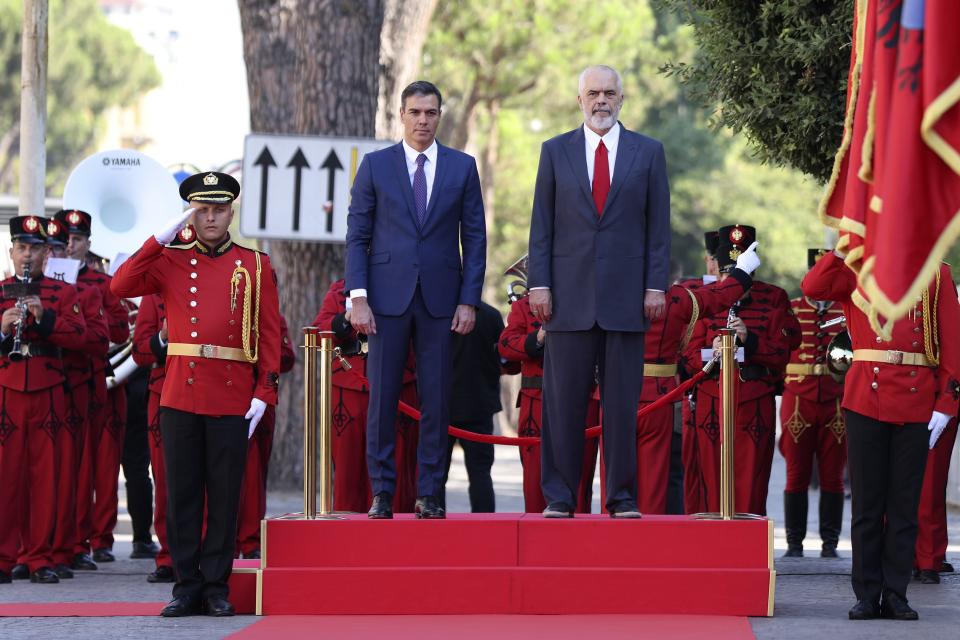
(527, 441)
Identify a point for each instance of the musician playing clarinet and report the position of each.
(767, 331)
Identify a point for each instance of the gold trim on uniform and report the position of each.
(796, 425)
(837, 426)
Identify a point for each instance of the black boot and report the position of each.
(795, 521)
(831, 522)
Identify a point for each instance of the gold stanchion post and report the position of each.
(728, 409)
(326, 423)
(310, 422)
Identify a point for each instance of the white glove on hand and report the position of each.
(748, 261)
(173, 227)
(255, 414)
(938, 422)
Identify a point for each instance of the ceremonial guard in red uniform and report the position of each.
(222, 369)
(103, 442)
(150, 350)
(931, 554)
(899, 395)
(812, 425)
(351, 395)
(78, 368)
(39, 319)
(665, 339)
(522, 341)
(253, 494)
(768, 331)
(693, 491)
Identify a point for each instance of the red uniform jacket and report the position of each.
(894, 392)
(60, 326)
(664, 339)
(203, 307)
(79, 365)
(116, 315)
(807, 374)
(772, 333)
(518, 343)
(331, 317)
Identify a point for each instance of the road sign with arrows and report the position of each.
(298, 187)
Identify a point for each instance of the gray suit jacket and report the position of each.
(599, 267)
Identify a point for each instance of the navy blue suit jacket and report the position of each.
(388, 253)
(599, 268)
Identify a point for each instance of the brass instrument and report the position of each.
(17, 353)
(517, 289)
(839, 351)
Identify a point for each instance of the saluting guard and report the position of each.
(222, 370)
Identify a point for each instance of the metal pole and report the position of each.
(310, 423)
(728, 418)
(33, 108)
(326, 423)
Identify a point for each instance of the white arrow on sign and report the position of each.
(288, 179)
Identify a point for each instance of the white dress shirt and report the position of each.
(429, 171)
(611, 139)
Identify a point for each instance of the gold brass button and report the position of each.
(916, 329)
(915, 343)
(913, 389)
(232, 322)
(192, 365)
(229, 382)
(193, 303)
(193, 321)
(193, 289)
(230, 337)
(913, 374)
(193, 261)
(874, 385)
(193, 275)
(876, 369)
(189, 380)
(193, 334)
(878, 339)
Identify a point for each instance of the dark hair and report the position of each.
(420, 88)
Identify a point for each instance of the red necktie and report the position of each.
(601, 177)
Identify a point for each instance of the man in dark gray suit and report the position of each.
(599, 262)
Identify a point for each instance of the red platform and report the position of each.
(513, 563)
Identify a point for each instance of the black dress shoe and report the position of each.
(144, 550)
(428, 508)
(864, 610)
(829, 552)
(382, 507)
(253, 555)
(103, 555)
(5, 578)
(44, 575)
(20, 572)
(946, 567)
(63, 572)
(558, 510)
(895, 607)
(83, 562)
(218, 607)
(794, 552)
(625, 509)
(161, 574)
(928, 576)
(180, 607)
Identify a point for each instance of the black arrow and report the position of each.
(264, 161)
(299, 162)
(332, 165)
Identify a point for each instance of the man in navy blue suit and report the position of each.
(413, 207)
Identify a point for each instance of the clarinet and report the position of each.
(16, 353)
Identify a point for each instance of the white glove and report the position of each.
(938, 422)
(255, 414)
(173, 227)
(748, 261)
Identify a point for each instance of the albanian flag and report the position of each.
(895, 190)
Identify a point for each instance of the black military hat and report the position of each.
(57, 233)
(733, 240)
(710, 241)
(212, 187)
(815, 254)
(29, 229)
(76, 221)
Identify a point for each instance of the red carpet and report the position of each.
(79, 609)
(501, 627)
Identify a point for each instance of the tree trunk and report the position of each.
(314, 67)
(401, 43)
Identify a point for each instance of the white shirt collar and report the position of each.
(412, 154)
(610, 138)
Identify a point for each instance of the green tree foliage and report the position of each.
(523, 61)
(92, 66)
(775, 70)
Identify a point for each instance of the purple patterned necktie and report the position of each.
(420, 189)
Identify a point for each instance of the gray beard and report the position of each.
(601, 121)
